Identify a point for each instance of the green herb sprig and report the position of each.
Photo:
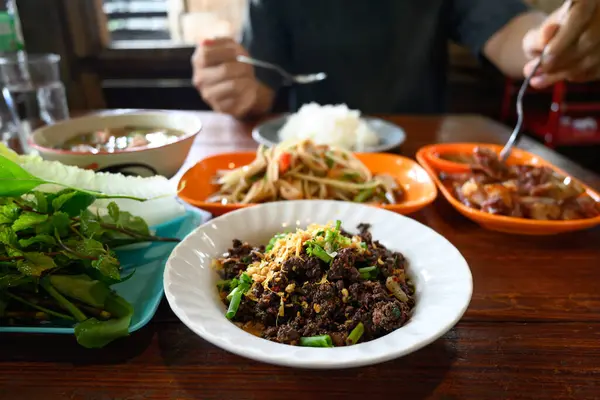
(56, 257)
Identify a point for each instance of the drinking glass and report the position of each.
(33, 92)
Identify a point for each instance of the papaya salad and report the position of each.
(304, 170)
(319, 287)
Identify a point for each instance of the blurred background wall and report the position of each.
(136, 54)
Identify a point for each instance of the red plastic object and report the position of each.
(565, 122)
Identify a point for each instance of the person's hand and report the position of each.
(573, 37)
(226, 85)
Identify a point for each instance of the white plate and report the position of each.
(441, 275)
(390, 136)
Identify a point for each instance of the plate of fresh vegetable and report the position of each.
(78, 261)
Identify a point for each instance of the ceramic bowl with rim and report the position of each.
(441, 276)
(145, 161)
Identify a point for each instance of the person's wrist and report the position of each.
(262, 99)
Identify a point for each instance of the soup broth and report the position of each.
(121, 139)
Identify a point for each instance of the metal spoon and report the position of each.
(516, 133)
(288, 78)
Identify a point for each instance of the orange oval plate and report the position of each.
(196, 185)
(501, 223)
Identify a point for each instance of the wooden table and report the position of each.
(532, 330)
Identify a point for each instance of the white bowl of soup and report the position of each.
(143, 143)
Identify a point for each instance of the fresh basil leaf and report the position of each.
(58, 222)
(133, 223)
(107, 265)
(73, 202)
(8, 237)
(89, 225)
(28, 220)
(90, 248)
(41, 202)
(14, 180)
(9, 213)
(13, 280)
(35, 264)
(82, 288)
(37, 239)
(93, 333)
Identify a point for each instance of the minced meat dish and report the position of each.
(319, 287)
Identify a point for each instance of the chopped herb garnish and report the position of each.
(369, 272)
(273, 240)
(244, 283)
(316, 341)
(245, 278)
(234, 302)
(224, 283)
(313, 249)
(356, 334)
(234, 283)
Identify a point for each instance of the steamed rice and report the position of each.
(334, 125)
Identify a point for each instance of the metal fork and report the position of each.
(516, 133)
(288, 78)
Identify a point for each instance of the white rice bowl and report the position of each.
(334, 125)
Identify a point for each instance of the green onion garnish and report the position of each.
(245, 278)
(338, 225)
(273, 240)
(355, 335)
(367, 269)
(234, 292)
(316, 341)
(314, 249)
(368, 272)
(242, 285)
(329, 236)
(234, 303)
(222, 284)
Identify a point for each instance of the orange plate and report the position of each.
(498, 222)
(196, 184)
(432, 155)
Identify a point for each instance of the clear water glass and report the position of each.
(33, 92)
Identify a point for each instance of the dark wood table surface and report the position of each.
(532, 330)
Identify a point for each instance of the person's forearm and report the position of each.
(505, 48)
(264, 101)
